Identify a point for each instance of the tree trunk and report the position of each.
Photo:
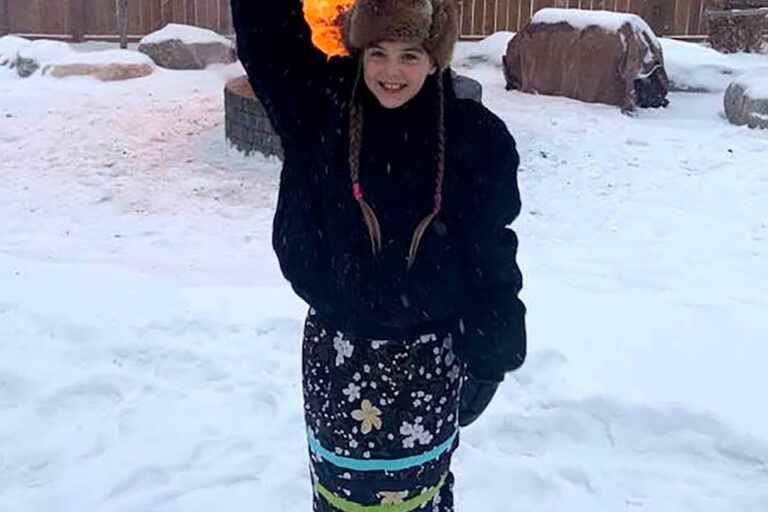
(122, 22)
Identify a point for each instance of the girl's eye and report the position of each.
(410, 57)
(376, 53)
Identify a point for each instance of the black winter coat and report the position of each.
(465, 272)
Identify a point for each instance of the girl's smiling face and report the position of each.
(395, 71)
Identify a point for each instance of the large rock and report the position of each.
(186, 47)
(592, 56)
(104, 72)
(59, 60)
(746, 101)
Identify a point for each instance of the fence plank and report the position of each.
(211, 13)
(5, 23)
(477, 17)
(77, 20)
(694, 19)
(19, 18)
(489, 9)
(541, 4)
(226, 17)
(513, 15)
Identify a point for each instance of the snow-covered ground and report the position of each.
(149, 348)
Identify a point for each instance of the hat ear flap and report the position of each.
(344, 22)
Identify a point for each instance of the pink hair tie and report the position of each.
(357, 191)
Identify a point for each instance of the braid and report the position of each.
(355, 148)
(440, 161)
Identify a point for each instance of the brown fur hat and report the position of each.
(434, 23)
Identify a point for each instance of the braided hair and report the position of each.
(355, 148)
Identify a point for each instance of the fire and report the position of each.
(324, 18)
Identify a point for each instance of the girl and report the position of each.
(391, 224)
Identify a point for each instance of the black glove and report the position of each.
(475, 397)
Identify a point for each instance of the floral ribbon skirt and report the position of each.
(382, 420)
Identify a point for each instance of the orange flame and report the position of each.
(324, 18)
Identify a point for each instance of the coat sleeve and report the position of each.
(284, 68)
(299, 240)
(492, 338)
(287, 72)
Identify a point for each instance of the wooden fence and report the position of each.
(95, 19)
(681, 18)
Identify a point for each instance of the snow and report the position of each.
(186, 34)
(696, 67)
(606, 20)
(9, 48)
(149, 347)
(755, 84)
(488, 50)
(106, 57)
(45, 51)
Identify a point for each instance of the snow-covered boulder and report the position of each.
(9, 49)
(593, 56)
(59, 60)
(746, 101)
(186, 47)
(108, 65)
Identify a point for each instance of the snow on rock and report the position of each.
(755, 84)
(186, 47)
(9, 49)
(187, 34)
(606, 20)
(489, 50)
(698, 68)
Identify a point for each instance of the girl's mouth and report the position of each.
(391, 87)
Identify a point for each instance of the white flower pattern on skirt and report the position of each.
(352, 392)
(344, 348)
(372, 399)
(415, 432)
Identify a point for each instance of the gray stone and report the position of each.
(175, 54)
(26, 67)
(741, 109)
(467, 88)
